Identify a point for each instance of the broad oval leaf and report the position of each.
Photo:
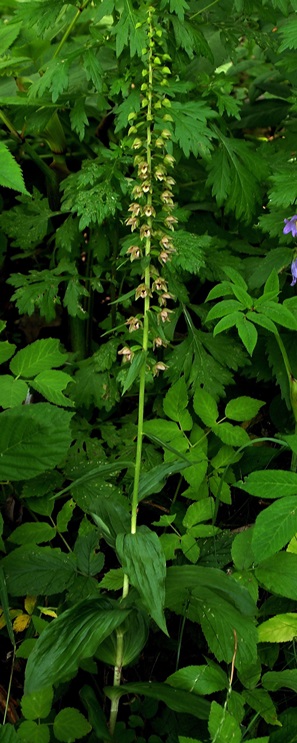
(37, 357)
(274, 527)
(199, 679)
(38, 570)
(281, 628)
(278, 574)
(70, 638)
(33, 439)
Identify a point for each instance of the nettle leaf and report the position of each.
(33, 439)
(235, 174)
(190, 127)
(274, 528)
(11, 175)
(143, 561)
(70, 638)
(38, 357)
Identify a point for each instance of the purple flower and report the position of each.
(294, 271)
(291, 226)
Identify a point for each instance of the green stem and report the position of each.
(293, 392)
(70, 27)
(141, 391)
(204, 9)
(117, 675)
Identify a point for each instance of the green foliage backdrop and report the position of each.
(148, 389)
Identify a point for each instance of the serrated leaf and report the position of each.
(33, 439)
(277, 574)
(90, 195)
(38, 704)
(199, 679)
(222, 726)
(243, 408)
(70, 725)
(261, 702)
(32, 732)
(248, 333)
(8, 34)
(274, 528)
(175, 405)
(37, 357)
(38, 570)
(274, 680)
(281, 628)
(78, 117)
(32, 533)
(70, 638)
(190, 127)
(11, 175)
(50, 384)
(54, 79)
(189, 251)
(6, 351)
(270, 484)
(205, 406)
(27, 223)
(143, 560)
(235, 174)
(93, 69)
(12, 391)
(203, 510)
(231, 435)
(288, 31)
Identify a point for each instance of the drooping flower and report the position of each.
(291, 226)
(294, 271)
